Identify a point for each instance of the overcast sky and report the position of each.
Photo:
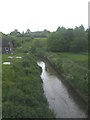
(42, 14)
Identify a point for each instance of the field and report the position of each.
(74, 68)
(23, 95)
(26, 44)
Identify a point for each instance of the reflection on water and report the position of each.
(59, 98)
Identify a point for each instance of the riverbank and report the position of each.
(74, 72)
(62, 99)
(23, 95)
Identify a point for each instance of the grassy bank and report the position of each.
(23, 95)
(74, 68)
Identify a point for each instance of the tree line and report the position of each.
(65, 40)
(62, 40)
(28, 33)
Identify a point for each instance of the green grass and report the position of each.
(23, 95)
(74, 69)
(28, 43)
(41, 39)
(80, 59)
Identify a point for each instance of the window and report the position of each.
(7, 49)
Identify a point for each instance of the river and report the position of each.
(63, 101)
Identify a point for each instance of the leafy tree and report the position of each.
(56, 41)
(15, 33)
(68, 36)
(79, 43)
(28, 33)
(74, 40)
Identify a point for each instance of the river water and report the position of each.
(63, 101)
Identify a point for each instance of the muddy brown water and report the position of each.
(63, 101)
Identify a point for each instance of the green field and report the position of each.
(79, 59)
(26, 44)
(74, 68)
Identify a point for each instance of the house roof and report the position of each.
(6, 42)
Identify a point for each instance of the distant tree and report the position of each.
(45, 33)
(22, 32)
(28, 32)
(15, 33)
(61, 30)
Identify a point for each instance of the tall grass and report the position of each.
(23, 95)
(74, 69)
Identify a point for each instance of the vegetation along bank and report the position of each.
(23, 95)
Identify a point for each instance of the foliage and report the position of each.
(18, 41)
(38, 34)
(15, 33)
(24, 44)
(23, 95)
(38, 46)
(74, 68)
(74, 40)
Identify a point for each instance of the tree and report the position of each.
(28, 32)
(74, 40)
(15, 33)
(68, 37)
(79, 43)
(56, 42)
